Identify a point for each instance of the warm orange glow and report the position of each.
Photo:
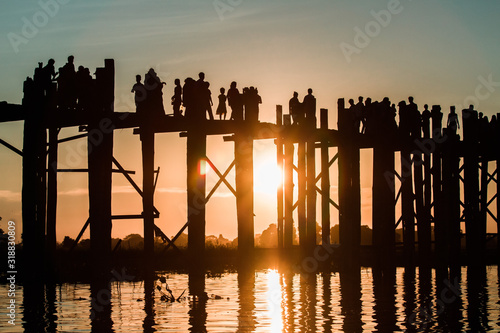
(202, 167)
(274, 301)
(267, 175)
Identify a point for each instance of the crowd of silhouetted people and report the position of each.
(74, 89)
(374, 118)
(71, 89)
(193, 100)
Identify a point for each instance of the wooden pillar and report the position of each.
(442, 242)
(243, 152)
(325, 180)
(148, 151)
(289, 151)
(349, 189)
(483, 201)
(279, 163)
(196, 190)
(383, 204)
(311, 182)
(100, 155)
(419, 199)
(407, 202)
(424, 218)
(455, 240)
(439, 229)
(52, 194)
(301, 184)
(471, 185)
(33, 234)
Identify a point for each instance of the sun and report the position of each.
(267, 175)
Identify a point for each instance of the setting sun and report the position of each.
(267, 176)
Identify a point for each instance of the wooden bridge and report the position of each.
(437, 170)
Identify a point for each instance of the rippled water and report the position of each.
(269, 301)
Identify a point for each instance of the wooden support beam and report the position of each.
(51, 240)
(311, 188)
(74, 137)
(80, 234)
(222, 178)
(471, 186)
(172, 242)
(439, 218)
(243, 155)
(34, 188)
(196, 147)
(11, 147)
(383, 204)
(301, 185)
(161, 234)
(288, 185)
(279, 163)
(325, 182)
(349, 189)
(100, 158)
(407, 211)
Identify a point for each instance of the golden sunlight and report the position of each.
(267, 175)
(274, 299)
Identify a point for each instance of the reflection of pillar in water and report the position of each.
(423, 315)
(307, 320)
(409, 303)
(477, 299)
(327, 301)
(350, 299)
(33, 307)
(50, 305)
(198, 302)
(246, 286)
(149, 304)
(384, 297)
(287, 302)
(100, 312)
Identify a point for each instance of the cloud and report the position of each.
(10, 196)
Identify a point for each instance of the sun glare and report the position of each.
(267, 176)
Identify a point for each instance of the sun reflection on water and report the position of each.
(274, 301)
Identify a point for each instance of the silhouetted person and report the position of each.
(309, 105)
(244, 100)
(404, 119)
(189, 97)
(154, 97)
(177, 98)
(453, 123)
(221, 108)
(67, 84)
(206, 96)
(426, 121)
(84, 86)
(346, 120)
(140, 94)
(252, 105)
(357, 114)
(47, 75)
(415, 119)
(483, 125)
(295, 108)
(369, 117)
(235, 101)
